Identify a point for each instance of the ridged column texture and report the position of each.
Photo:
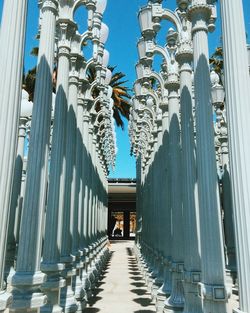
(12, 36)
(30, 242)
(71, 197)
(192, 262)
(59, 148)
(166, 194)
(58, 158)
(15, 198)
(237, 106)
(94, 186)
(52, 264)
(34, 201)
(73, 183)
(164, 291)
(138, 201)
(90, 190)
(212, 252)
(83, 126)
(176, 300)
(85, 169)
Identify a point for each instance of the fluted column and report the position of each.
(175, 302)
(150, 243)
(15, 197)
(227, 202)
(212, 288)
(158, 210)
(83, 132)
(192, 262)
(153, 269)
(138, 202)
(165, 290)
(28, 277)
(94, 183)
(73, 184)
(52, 265)
(90, 202)
(58, 155)
(90, 191)
(237, 105)
(12, 36)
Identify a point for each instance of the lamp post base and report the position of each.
(5, 300)
(27, 296)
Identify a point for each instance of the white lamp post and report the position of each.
(101, 6)
(25, 115)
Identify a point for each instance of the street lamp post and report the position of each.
(12, 48)
(12, 241)
(237, 106)
(212, 288)
(192, 261)
(218, 101)
(28, 278)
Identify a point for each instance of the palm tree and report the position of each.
(120, 94)
(29, 81)
(216, 61)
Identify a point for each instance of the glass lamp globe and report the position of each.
(214, 78)
(108, 76)
(139, 70)
(26, 105)
(104, 33)
(105, 59)
(101, 6)
(217, 94)
(150, 102)
(145, 19)
(141, 47)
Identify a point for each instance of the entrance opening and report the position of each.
(117, 219)
(122, 209)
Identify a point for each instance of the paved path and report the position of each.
(122, 289)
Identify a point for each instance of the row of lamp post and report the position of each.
(188, 201)
(57, 243)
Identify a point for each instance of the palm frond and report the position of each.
(216, 62)
(35, 51)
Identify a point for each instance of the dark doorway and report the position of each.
(122, 224)
(122, 209)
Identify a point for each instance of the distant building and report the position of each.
(121, 208)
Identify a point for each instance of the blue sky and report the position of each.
(121, 17)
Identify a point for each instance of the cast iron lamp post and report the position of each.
(237, 105)
(15, 209)
(218, 101)
(28, 278)
(14, 14)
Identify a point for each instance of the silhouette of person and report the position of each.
(117, 232)
(112, 224)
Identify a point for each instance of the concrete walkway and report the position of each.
(122, 288)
